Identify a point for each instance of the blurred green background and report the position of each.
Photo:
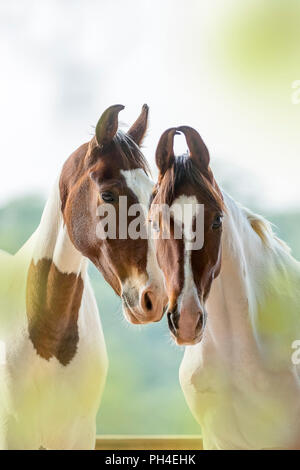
(142, 394)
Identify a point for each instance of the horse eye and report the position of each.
(217, 222)
(107, 196)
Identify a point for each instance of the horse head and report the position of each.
(110, 176)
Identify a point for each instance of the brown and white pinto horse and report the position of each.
(240, 374)
(55, 367)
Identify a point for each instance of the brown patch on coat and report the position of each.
(184, 177)
(95, 167)
(191, 176)
(53, 301)
(88, 171)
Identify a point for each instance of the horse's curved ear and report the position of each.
(164, 156)
(138, 129)
(198, 150)
(107, 125)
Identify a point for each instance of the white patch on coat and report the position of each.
(53, 241)
(182, 215)
(141, 185)
(239, 381)
(55, 405)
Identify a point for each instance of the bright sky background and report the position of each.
(63, 62)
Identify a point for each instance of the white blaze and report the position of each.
(142, 186)
(184, 209)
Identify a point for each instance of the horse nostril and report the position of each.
(148, 302)
(173, 318)
(199, 325)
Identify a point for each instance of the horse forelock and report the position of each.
(185, 173)
(130, 152)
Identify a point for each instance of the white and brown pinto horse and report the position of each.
(235, 303)
(54, 372)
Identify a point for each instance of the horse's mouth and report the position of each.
(183, 342)
(130, 313)
(186, 341)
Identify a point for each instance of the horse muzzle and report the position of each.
(187, 327)
(147, 308)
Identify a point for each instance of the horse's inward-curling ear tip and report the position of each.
(173, 131)
(116, 107)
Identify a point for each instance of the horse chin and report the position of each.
(187, 342)
(132, 316)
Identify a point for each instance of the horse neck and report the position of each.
(52, 242)
(244, 255)
(55, 284)
(255, 286)
(234, 294)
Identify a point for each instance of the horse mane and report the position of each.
(184, 170)
(263, 228)
(130, 152)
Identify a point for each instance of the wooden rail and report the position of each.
(129, 442)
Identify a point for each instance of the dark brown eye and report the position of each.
(107, 196)
(217, 223)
